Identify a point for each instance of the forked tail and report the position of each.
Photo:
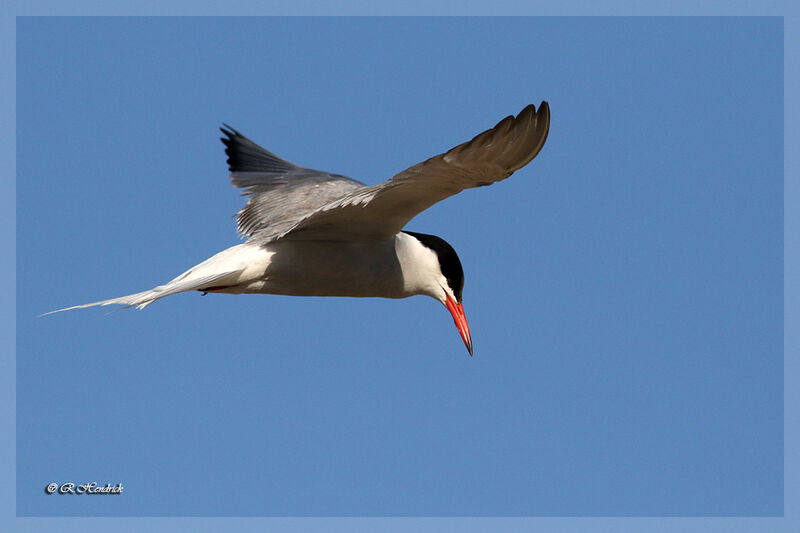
(140, 300)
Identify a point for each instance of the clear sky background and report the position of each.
(624, 290)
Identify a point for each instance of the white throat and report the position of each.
(422, 273)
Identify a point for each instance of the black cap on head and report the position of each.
(448, 261)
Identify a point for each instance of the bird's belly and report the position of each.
(331, 269)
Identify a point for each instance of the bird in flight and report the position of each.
(313, 233)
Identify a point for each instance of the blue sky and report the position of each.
(624, 290)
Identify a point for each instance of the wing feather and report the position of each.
(280, 193)
(381, 211)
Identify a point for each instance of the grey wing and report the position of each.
(383, 210)
(280, 193)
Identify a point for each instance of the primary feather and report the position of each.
(280, 193)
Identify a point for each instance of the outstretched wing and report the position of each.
(381, 211)
(281, 193)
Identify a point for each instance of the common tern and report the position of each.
(313, 233)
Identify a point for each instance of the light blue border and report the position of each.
(410, 7)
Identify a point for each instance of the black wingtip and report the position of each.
(544, 111)
(230, 134)
(229, 139)
(229, 131)
(246, 156)
(544, 116)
